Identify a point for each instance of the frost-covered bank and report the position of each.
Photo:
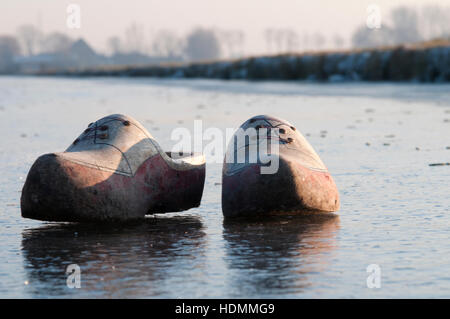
(413, 63)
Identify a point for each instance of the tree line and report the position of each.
(401, 25)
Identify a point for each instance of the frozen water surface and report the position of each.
(376, 139)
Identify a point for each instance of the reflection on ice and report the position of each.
(115, 261)
(279, 252)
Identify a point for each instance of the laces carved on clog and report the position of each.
(97, 131)
(280, 131)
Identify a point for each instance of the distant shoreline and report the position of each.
(424, 62)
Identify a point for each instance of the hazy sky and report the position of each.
(101, 19)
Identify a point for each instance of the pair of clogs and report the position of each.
(115, 170)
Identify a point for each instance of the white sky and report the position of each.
(101, 19)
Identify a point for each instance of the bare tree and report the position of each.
(338, 41)
(364, 37)
(405, 25)
(269, 35)
(30, 38)
(9, 47)
(202, 44)
(434, 22)
(319, 40)
(114, 45)
(239, 38)
(282, 40)
(233, 41)
(292, 40)
(306, 41)
(278, 40)
(134, 39)
(166, 43)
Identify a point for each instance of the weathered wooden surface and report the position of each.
(302, 182)
(115, 170)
